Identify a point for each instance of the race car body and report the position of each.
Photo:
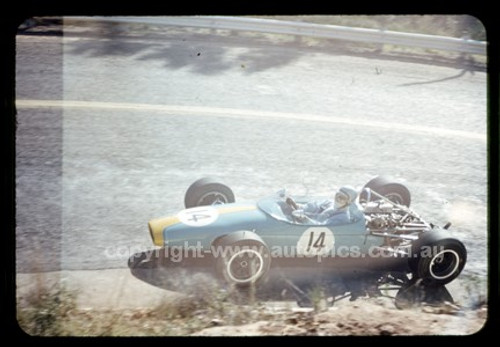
(379, 231)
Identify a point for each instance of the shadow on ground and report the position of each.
(305, 286)
(205, 51)
(280, 284)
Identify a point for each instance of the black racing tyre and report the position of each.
(243, 263)
(207, 191)
(440, 262)
(389, 188)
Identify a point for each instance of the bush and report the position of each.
(45, 311)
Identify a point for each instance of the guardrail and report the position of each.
(463, 45)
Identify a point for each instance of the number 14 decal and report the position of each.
(315, 241)
(318, 243)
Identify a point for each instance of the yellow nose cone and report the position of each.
(156, 227)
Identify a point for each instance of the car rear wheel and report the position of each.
(389, 188)
(208, 191)
(440, 262)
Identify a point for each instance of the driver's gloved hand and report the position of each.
(299, 214)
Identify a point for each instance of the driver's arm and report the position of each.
(333, 215)
(309, 207)
(303, 218)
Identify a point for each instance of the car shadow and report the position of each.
(282, 284)
(152, 268)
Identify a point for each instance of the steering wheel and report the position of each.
(290, 202)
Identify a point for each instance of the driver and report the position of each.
(327, 211)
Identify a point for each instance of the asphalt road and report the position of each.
(150, 110)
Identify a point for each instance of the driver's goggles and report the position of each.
(341, 198)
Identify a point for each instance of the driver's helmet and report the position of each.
(345, 196)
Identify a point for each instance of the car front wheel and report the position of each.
(243, 263)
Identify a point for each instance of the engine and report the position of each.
(378, 207)
(381, 215)
(399, 226)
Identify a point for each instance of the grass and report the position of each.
(443, 25)
(52, 311)
(46, 310)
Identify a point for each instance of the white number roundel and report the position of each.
(198, 216)
(315, 241)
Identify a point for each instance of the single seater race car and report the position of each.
(243, 241)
